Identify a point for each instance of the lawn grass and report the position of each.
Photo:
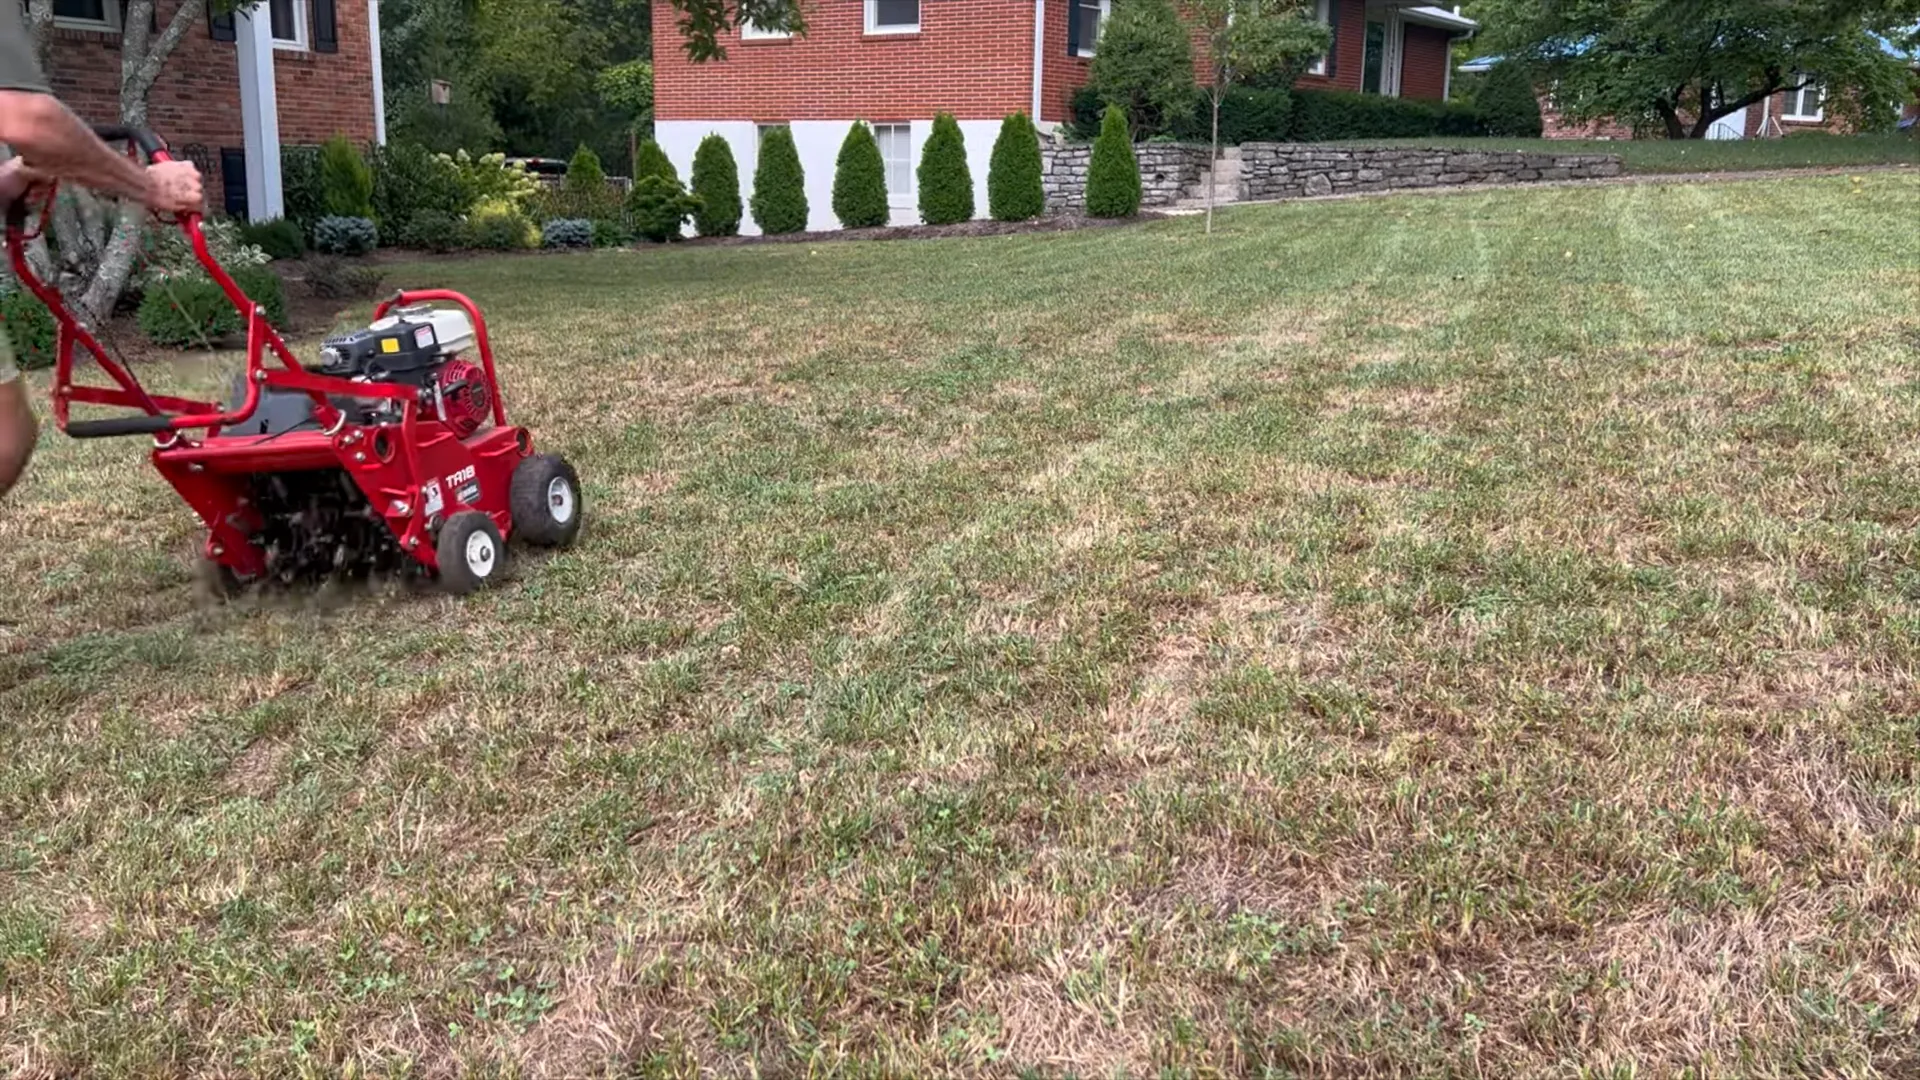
(1807, 150)
(1443, 635)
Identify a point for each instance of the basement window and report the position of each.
(893, 16)
(289, 19)
(1805, 105)
(896, 152)
(752, 32)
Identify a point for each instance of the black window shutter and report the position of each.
(326, 32)
(1073, 27)
(222, 27)
(1333, 50)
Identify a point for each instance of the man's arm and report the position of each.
(55, 143)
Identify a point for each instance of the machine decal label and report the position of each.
(454, 480)
(431, 496)
(423, 338)
(470, 494)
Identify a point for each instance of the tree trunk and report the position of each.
(1213, 160)
(1670, 116)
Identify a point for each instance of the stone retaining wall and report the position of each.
(1166, 171)
(1291, 170)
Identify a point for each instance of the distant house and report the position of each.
(895, 63)
(1782, 114)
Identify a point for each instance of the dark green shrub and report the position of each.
(330, 278)
(607, 233)
(653, 161)
(346, 183)
(1014, 188)
(192, 311)
(432, 230)
(716, 180)
(565, 202)
(1249, 115)
(279, 238)
(30, 327)
(660, 208)
(409, 180)
(1508, 104)
(946, 184)
(1144, 65)
(500, 225)
(779, 201)
(1113, 173)
(860, 181)
(1088, 109)
(567, 233)
(300, 190)
(345, 236)
(1333, 116)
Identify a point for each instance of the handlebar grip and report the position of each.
(149, 143)
(119, 425)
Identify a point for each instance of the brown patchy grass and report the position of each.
(1365, 642)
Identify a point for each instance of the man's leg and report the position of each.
(18, 429)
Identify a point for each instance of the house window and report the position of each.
(752, 32)
(896, 151)
(1088, 17)
(763, 129)
(289, 19)
(1322, 10)
(893, 16)
(87, 14)
(1804, 105)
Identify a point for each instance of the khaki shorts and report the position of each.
(8, 371)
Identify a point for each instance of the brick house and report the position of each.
(237, 87)
(895, 63)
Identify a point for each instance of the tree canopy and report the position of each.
(1681, 65)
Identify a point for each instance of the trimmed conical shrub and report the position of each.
(716, 181)
(860, 181)
(946, 185)
(1014, 190)
(584, 174)
(1113, 176)
(346, 182)
(1508, 104)
(653, 161)
(779, 185)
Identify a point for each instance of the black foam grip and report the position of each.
(119, 425)
(149, 143)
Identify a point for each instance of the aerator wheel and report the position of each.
(472, 555)
(218, 582)
(546, 501)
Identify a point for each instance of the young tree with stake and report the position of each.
(1253, 39)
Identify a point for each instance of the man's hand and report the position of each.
(173, 187)
(16, 179)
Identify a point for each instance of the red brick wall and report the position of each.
(972, 58)
(1423, 72)
(197, 98)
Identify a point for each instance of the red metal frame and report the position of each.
(402, 468)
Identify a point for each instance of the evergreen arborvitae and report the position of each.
(860, 181)
(716, 181)
(1014, 190)
(779, 185)
(653, 161)
(946, 185)
(346, 182)
(584, 174)
(1508, 104)
(1113, 176)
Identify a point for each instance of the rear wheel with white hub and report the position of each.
(471, 553)
(546, 501)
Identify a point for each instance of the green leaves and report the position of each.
(779, 185)
(1113, 174)
(1144, 64)
(860, 181)
(946, 183)
(1014, 188)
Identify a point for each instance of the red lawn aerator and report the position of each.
(391, 454)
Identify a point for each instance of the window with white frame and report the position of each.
(289, 19)
(893, 16)
(87, 14)
(752, 32)
(1088, 18)
(1805, 105)
(1323, 11)
(896, 153)
(763, 129)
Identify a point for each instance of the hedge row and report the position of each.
(1256, 115)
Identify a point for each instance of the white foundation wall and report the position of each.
(819, 144)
